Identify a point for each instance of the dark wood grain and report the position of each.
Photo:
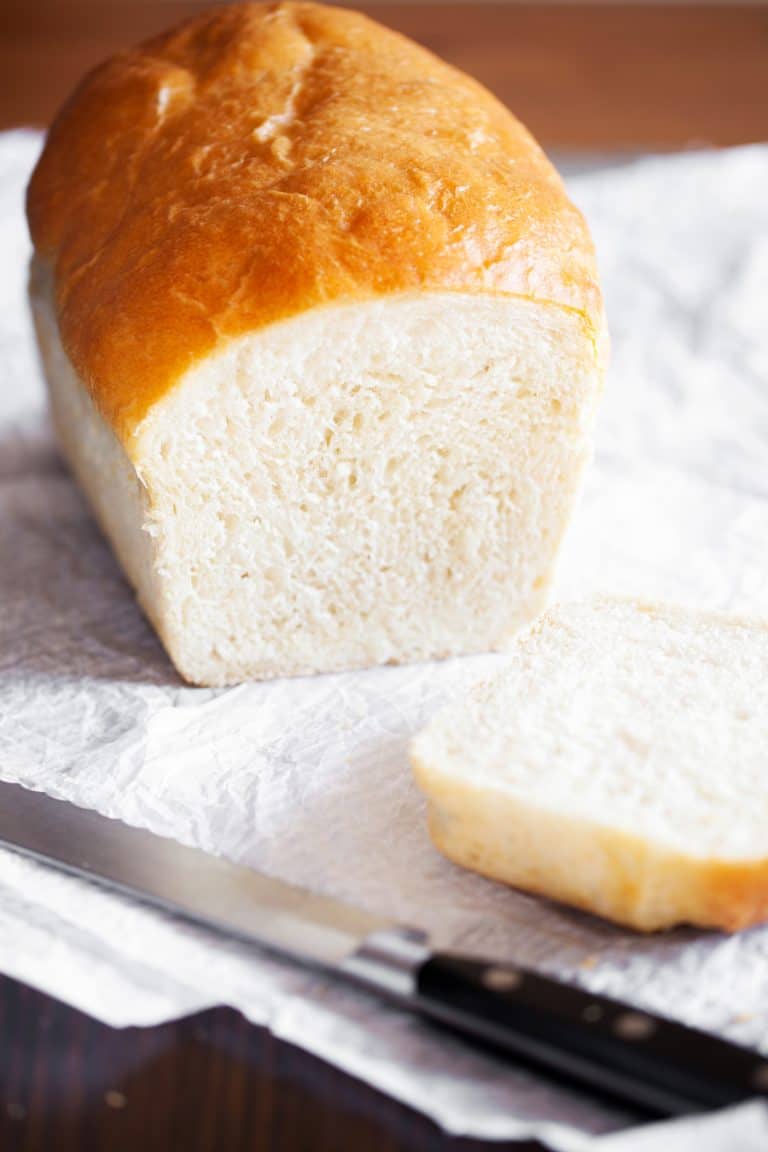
(210, 1083)
(581, 76)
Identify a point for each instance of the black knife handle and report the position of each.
(643, 1059)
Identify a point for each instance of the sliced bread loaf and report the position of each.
(619, 763)
(324, 342)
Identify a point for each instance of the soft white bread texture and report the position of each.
(323, 339)
(619, 763)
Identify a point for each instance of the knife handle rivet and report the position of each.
(634, 1026)
(592, 1013)
(760, 1078)
(502, 979)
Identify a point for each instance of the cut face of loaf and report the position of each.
(387, 481)
(619, 763)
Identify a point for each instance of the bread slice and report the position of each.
(618, 763)
(323, 338)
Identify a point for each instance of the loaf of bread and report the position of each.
(323, 337)
(619, 763)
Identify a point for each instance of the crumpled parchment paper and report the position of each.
(308, 779)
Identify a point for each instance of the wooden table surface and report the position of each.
(582, 77)
(209, 1083)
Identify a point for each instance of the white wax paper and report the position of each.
(308, 779)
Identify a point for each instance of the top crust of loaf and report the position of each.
(265, 159)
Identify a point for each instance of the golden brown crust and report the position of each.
(264, 159)
(644, 885)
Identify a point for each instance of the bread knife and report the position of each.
(645, 1060)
